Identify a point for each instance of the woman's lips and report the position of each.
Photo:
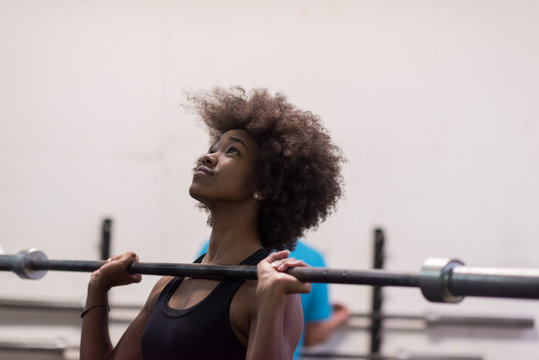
(204, 170)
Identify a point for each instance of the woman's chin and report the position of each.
(196, 194)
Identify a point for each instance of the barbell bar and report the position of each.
(435, 320)
(329, 355)
(440, 280)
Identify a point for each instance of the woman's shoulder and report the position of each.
(156, 291)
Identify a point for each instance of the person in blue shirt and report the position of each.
(320, 317)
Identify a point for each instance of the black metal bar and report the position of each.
(357, 277)
(379, 243)
(172, 269)
(480, 321)
(7, 262)
(494, 282)
(326, 355)
(33, 347)
(66, 265)
(456, 320)
(323, 275)
(377, 298)
(24, 304)
(439, 357)
(106, 230)
(320, 355)
(439, 280)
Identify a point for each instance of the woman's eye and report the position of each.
(232, 150)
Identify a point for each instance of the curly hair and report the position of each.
(299, 168)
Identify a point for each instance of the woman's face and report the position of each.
(226, 172)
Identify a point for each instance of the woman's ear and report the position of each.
(257, 195)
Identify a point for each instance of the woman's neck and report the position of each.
(234, 237)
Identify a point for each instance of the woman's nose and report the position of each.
(208, 160)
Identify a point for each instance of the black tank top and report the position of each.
(199, 332)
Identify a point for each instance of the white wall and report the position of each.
(435, 104)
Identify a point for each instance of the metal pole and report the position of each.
(106, 230)
(440, 280)
(455, 320)
(376, 298)
(494, 282)
(326, 355)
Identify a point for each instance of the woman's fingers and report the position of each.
(300, 288)
(284, 264)
(114, 271)
(272, 270)
(127, 259)
(276, 256)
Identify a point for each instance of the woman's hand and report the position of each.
(276, 329)
(114, 272)
(273, 279)
(95, 339)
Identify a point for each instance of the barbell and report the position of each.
(440, 279)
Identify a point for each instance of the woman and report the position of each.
(271, 173)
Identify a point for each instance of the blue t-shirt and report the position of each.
(315, 304)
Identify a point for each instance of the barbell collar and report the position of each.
(434, 280)
(22, 264)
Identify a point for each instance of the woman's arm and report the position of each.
(276, 328)
(129, 346)
(95, 339)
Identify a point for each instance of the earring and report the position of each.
(256, 195)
